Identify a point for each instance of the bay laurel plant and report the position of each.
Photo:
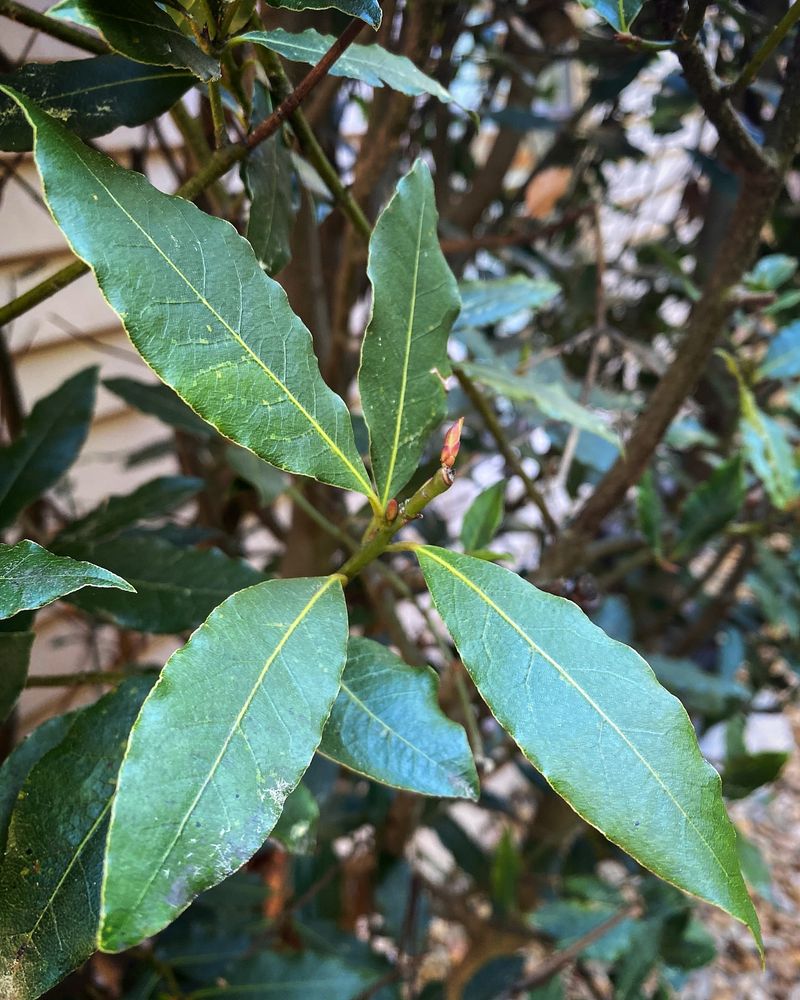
(116, 817)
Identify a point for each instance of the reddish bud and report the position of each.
(452, 442)
(392, 510)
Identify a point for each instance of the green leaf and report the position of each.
(267, 174)
(220, 743)
(267, 481)
(710, 694)
(485, 303)
(296, 829)
(711, 506)
(141, 30)
(90, 96)
(769, 452)
(387, 724)
(589, 713)
(175, 588)
(31, 577)
(219, 331)
(771, 272)
(783, 355)
(372, 64)
(367, 10)
(415, 300)
(162, 402)
(755, 867)
(150, 500)
(50, 875)
(746, 772)
(619, 13)
(53, 435)
(548, 396)
(650, 511)
(21, 760)
(483, 517)
(15, 652)
(291, 977)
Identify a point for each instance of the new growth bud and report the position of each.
(452, 442)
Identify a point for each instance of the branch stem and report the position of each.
(512, 459)
(54, 27)
(216, 167)
(773, 40)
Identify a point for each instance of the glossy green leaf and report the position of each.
(220, 743)
(483, 517)
(372, 64)
(711, 506)
(175, 588)
(267, 174)
(548, 396)
(218, 330)
(15, 652)
(141, 30)
(53, 435)
(153, 499)
(367, 10)
(90, 96)
(771, 272)
(50, 875)
(744, 773)
(387, 724)
(21, 760)
(619, 13)
(162, 402)
(415, 300)
(31, 577)
(485, 303)
(650, 511)
(589, 713)
(783, 354)
(290, 977)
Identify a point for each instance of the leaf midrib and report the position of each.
(387, 490)
(169, 72)
(393, 732)
(316, 426)
(584, 694)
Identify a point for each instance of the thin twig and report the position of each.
(512, 460)
(217, 166)
(544, 972)
(51, 26)
(773, 40)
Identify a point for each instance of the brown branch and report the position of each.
(287, 107)
(757, 197)
(217, 166)
(713, 99)
(546, 970)
(51, 26)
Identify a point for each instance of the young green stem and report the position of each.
(773, 40)
(383, 531)
(217, 112)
